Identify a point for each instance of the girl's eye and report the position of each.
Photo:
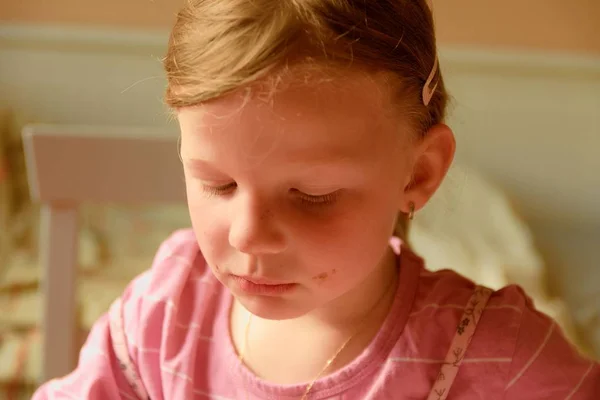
(219, 190)
(305, 198)
(313, 200)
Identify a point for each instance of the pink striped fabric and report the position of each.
(175, 319)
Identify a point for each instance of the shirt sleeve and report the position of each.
(546, 365)
(97, 376)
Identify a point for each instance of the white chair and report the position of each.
(68, 166)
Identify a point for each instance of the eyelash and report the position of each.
(219, 190)
(310, 200)
(323, 200)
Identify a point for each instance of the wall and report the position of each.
(557, 25)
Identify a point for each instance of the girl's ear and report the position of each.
(433, 157)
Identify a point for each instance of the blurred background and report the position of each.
(522, 205)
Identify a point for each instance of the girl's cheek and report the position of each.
(210, 226)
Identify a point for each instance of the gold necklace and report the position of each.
(335, 355)
(327, 364)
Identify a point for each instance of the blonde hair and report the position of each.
(218, 46)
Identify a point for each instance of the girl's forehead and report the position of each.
(300, 96)
(345, 114)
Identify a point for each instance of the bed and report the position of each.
(100, 223)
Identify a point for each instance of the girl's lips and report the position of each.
(264, 287)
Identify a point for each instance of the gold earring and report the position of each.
(411, 210)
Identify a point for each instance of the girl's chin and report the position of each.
(270, 307)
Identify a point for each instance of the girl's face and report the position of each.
(293, 192)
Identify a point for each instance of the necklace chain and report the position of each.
(335, 355)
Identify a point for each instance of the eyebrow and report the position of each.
(196, 162)
(307, 170)
(316, 162)
(199, 164)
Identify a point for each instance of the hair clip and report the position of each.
(427, 89)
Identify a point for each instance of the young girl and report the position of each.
(311, 130)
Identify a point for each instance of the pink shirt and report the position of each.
(175, 319)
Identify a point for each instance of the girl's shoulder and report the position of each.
(515, 349)
(444, 295)
(447, 293)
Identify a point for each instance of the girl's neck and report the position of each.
(293, 351)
